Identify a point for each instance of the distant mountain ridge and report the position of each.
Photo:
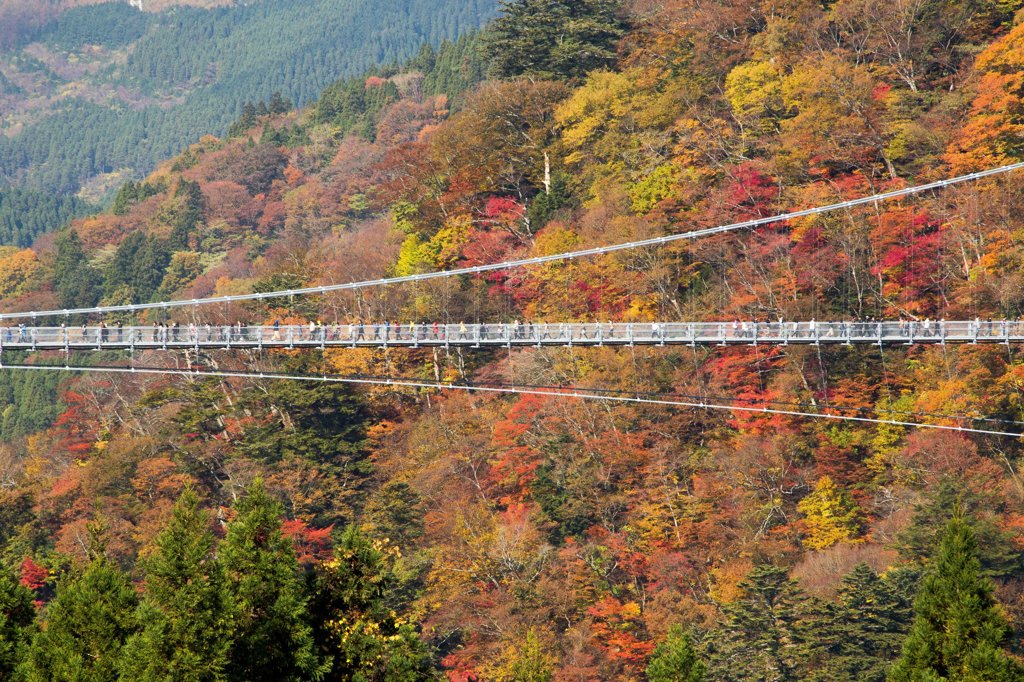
(17, 16)
(131, 88)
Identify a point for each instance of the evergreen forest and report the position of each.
(104, 92)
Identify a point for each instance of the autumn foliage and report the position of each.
(569, 537)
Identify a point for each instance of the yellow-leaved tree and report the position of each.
(19, 270)
(830, 515)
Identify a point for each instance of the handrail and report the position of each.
(491, 335)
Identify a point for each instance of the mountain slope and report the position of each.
(522, 536)
(130, 88)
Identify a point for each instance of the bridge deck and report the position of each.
(502, 335)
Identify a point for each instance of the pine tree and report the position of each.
(761, 638)
(355, 626)
(86, 627)
(675, 660)
(326, 423)
(186, 614)
(188, 212)
(138, 265)
(555, 39)
(273, 641)
(125, 198)
(17, 613)
(246, 120)
(278, 104)
(959, 630)
(76, 282)
(858, 637)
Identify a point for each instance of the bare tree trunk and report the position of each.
(547, 174)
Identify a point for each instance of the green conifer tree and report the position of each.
(675, 660)
(761, 638)
(858, 637)
(76, 282)
(326, 423)
(17, 614)
(186, 614)
(996, 549)
(555, 38)
(188, 211)
(278, 104)
(959, 630)
(273, 641)
(86, 627)
(138, 264)
(126, 196)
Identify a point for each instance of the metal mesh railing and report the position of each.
(514, 334)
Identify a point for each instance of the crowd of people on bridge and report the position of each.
(383, 332)
(313, 331)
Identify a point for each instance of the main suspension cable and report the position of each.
(596, 251)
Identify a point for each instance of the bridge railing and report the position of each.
(527, 333)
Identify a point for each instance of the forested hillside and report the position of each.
(249, 528)
(101, 93)
(21, 18)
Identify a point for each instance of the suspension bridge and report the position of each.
(383, 335)
(201, 336)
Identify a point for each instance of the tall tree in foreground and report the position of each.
(272, 641)
(959, 630)
(86, 627)
(555, 39)
(16, 615)
(186, 614)
(675, 660)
